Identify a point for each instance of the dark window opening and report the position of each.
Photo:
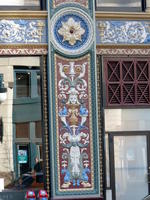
(28, 83)
(23, 84)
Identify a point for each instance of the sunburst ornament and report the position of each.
(71, 31)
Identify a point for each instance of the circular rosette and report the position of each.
(71, 31)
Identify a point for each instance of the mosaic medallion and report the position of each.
(72, 31)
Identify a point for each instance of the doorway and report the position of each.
(130, 166)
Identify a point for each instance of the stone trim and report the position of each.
(123, 51)
(23, 51)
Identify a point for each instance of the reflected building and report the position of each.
(20, 130)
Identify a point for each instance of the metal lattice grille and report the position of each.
(127, 82)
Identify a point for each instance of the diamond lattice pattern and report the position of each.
(127, 82)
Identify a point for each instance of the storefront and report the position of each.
(123, 62)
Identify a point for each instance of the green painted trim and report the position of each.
(26, 100)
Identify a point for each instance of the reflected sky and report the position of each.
(19, 3)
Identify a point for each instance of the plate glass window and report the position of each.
(119, 5)
(20, 3)
(23, 84)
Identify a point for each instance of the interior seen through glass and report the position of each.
(130, 155)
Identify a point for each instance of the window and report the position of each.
(23, 80)
(22, 130)
(27, 82)
(127, 81)
(20, 3)
(119, 5)
(23, 4)
(20, 135)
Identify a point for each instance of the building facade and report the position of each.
(74, 98)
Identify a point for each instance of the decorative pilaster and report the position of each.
(73, 123)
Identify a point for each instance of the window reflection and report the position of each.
(22, 130)
(119, 5)
(38, 84)
(20, 3)
(21, 164)
(130, 155)
(107, 161)
(23, 84)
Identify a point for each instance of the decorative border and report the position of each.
(14, 50)
(45, 123)
(123, 32)
(123, 51)
(23, 31)
(57, 3)
(86, 19)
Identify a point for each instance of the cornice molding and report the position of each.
(98, 14)
(122, 15)
(23, 14)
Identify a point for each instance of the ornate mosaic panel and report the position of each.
(123, 32)
(22, 31)
(62, 2)
(74, 129)
(73, 114)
